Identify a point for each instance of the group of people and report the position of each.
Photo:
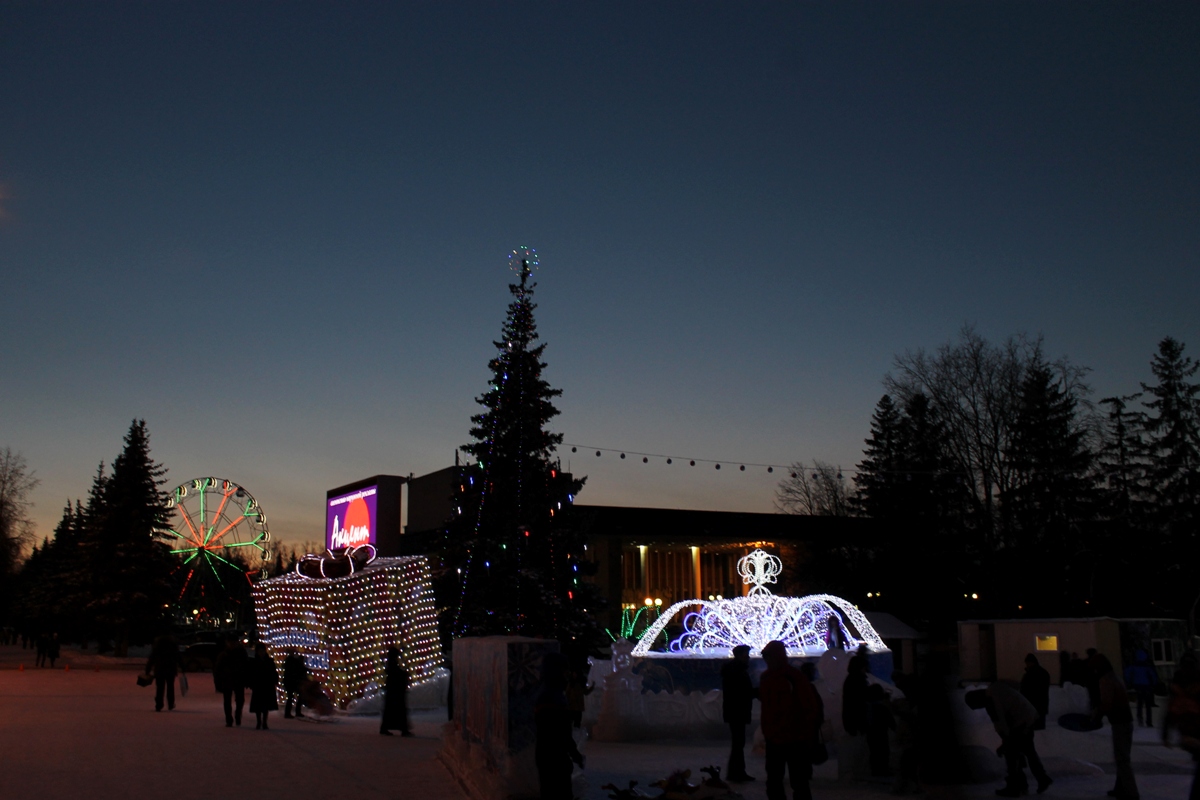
(46, 644)
(791, 717)
(792, 714)
(233, 673)
(1017, 714)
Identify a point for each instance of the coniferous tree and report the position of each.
(511, 563)
(879, 489)
(1052, 489)
(1172, 441)
(908, 480)
(57, 592)
(131, 561)
(1052, 498)
(1121, 462)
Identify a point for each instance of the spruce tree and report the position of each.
(879, 482)
(1171, 430)
(511, 563)
(131, 561)
(1122, 462)
(1052, 489)
(908, 480)
(1052, 499)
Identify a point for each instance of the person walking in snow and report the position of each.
(295, 673)
(554, 746)
(1035, 686)
(1112, 701)
(395, 696)
(263, 680)
(737, 699)
(229, 676)
(163, 664)
(1183, 713)
(52, 649)
(1142, 677)
(1013, 717)
(791, 721)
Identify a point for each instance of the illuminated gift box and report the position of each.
(343, 626)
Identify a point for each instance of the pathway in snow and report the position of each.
(83, 733)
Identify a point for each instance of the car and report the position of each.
(199, 657)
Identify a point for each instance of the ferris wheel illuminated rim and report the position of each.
(211, 517)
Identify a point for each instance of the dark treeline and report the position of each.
(107, 572)
(1002, 490)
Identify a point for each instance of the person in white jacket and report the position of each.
(1014, 718)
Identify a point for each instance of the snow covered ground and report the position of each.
(86, 733)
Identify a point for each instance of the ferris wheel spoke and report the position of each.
(189, 558)
(186, 550)
(211, 554)
(213, 569)
(226, 530)
(183, 512)
(203, 496)
(217, 516)
(253, 543)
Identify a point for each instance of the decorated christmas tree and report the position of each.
(511, 562)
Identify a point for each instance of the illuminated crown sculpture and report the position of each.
(808, 625)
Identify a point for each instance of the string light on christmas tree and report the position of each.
(344, 626)
(808, 626)
(523, 261)
(506, 551)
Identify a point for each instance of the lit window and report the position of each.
(1163, 650)
(1046, 642)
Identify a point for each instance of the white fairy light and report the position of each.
(801, 623)
(343, 626)
(759, 568)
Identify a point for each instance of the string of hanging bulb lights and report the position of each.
(792, 470)
(717, 463)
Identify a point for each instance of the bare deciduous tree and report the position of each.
(817, 491)
(975, 387)
(16, 528)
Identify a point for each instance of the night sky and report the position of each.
(278, 231)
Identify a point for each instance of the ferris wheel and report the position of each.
(217, 526)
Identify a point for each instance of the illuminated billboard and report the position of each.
(350, 519)
(368, 511)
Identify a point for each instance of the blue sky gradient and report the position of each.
(278, 231)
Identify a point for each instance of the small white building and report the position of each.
(996, 648)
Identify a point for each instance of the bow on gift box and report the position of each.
(336, 565)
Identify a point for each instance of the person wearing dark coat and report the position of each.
(163, 665)
(43, 644)
(1013, 717)
(52, 649)
(395, 696)
(737, 699)
(1142, 677)
(880, 722)
(791, 723)
(1112, 701)
(1183, 713)
(229, 676)
(554, 746)
(854, 697)
(263, 680)
(295, 673)
(1035, 686)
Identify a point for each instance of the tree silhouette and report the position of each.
(511, 563)
(130, 560)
